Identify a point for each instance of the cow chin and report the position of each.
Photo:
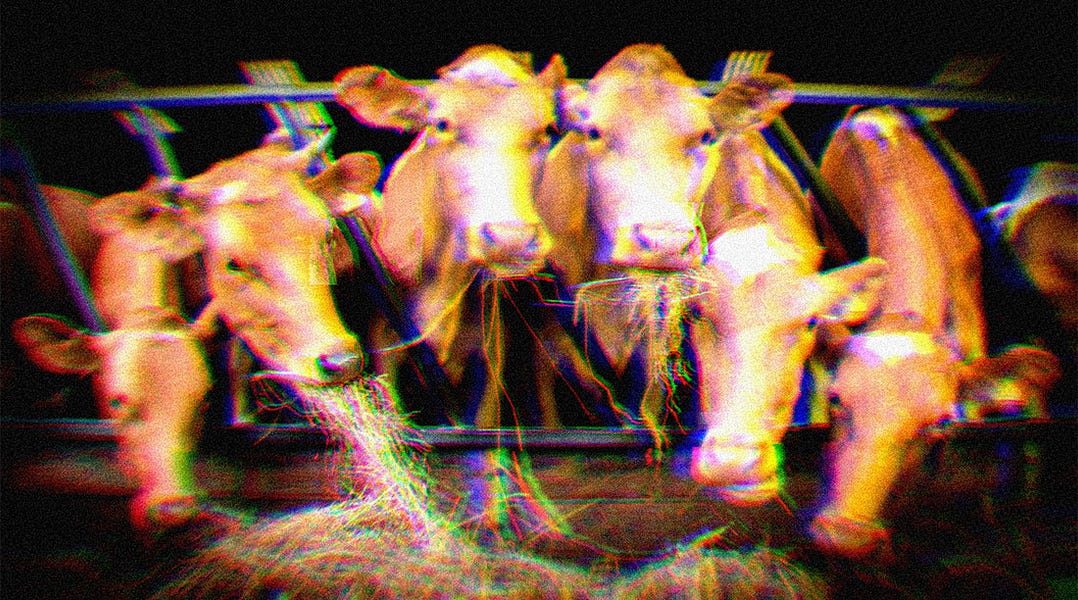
(512, 270)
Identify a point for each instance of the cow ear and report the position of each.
(300, 160)
(751, 101)
(347, 185)
(554, 73)
(847, 294)
(378, 98)
(55, 345)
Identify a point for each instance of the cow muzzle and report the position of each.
(742, 473)
(331, 367)
(340, 367)
(507, 249)
(664, 247)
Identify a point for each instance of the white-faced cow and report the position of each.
(265, 231)
(458, 205)
(668, 201)
(924, 344)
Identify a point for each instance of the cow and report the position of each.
(150, 370)
(1036, 224)
(458, 205)
(923, 346)
(667, 205)
(268, 241)
(264, 233)
(31, 283)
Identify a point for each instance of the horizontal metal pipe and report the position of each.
(808, 93)
(241, 437)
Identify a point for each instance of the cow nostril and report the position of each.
(664, 239)
(488, 233)
(340, 365)
(643, 240)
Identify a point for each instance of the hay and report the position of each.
(708, 574)
(383, 539)
(646, 310)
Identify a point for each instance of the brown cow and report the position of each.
(1038, 223)
(32, 283)
(264, 229)
(459, 203)
(150, 370)
(268, 238)
(667, 202)
(926, 339)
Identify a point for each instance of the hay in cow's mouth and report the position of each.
(650, 307)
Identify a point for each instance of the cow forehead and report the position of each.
(625, 102)
(529, 104)
(491, 69)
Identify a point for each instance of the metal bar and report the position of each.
(160, 152)
(852, 240)
(46, 432)
(14, 158)
(807, 93)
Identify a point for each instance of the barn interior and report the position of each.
(989, 507)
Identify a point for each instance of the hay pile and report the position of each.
(384, 539)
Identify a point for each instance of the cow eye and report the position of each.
(707, 138)
(441, 125)
(593, 133)
(551, 130)
(238, 267)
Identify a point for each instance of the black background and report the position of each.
(48, 46)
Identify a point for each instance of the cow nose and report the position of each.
(340, 366)
(510, 242)
(664, 239)
(511, 236)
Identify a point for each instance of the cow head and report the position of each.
(626, 192)
(756, 331)
(626, 186)
(463, 195)
(266, 238)
(151, 381)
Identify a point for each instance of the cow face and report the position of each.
(267, 238)
(462, 196)
(636, 166)
(755, 334)
(141, 269)
(151, 380)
